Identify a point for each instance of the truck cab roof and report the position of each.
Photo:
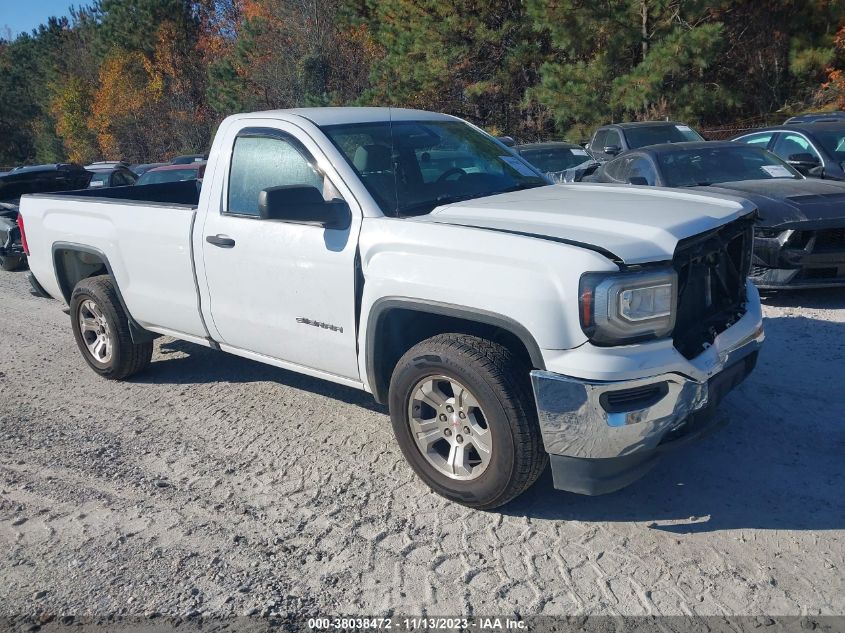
(347, 115)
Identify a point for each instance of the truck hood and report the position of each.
(812, 203)
(629, 224)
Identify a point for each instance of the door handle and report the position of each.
(220, 240)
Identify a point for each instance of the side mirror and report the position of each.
(637, 180)
(804, 159)
(303, 205)
(612, 150)
(816, 172)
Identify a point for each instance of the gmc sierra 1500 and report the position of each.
(504, 320)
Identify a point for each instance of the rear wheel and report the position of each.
(101, 329)
(463, 415)
(10, 263)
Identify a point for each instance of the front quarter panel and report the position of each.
(528, 281)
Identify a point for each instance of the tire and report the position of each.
(95, 300)
(10, 263)
(504, 420)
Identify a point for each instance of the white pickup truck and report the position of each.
(505, 321)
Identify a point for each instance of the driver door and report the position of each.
(276, 288)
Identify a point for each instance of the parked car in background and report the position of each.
(23, 180)
(554, 158)
(815, 117)
(189, 158)
(142, 168)
(172, 173)
(816, 149)
(506, 322)
(110, 174)
(611, 140)
(800, 231)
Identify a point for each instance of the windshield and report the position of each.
(411, 167)
(833, 142)
(552, 159)
(707, 166)
(168, 175)
(644, 135)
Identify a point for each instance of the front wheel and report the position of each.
(463, 415)
(101, 329)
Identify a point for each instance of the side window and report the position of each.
(641, 167)
(599, 141)
(122, 179)
(613, 138)
(790, 144)
(760, 140)
(259, 162)
(615, 169)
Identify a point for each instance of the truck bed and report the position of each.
(183, 193)
(144, 234)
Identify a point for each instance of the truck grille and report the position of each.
(831, 238)
(711, 268)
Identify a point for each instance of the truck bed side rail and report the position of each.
(185, 192)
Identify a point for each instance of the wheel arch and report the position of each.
(395, 324)
(74, 262)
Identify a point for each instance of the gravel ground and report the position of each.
(215, 485)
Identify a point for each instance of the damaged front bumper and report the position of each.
(802, 256)
(602, 435)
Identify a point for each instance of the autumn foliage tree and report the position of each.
(143, 80)
(71, 107)
(831, 94)
(285, 53)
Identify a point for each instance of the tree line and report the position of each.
(144, 80)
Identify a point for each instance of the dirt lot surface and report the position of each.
(221, 486)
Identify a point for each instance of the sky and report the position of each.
(21, 16)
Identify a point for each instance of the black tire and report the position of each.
(500, 383)
(127, 358)
(10, 263)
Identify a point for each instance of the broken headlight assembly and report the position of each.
(627, 307)
(784, 237)
(767, 232)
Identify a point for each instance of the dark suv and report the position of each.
(32, 179)
(816, 117)
(111, 174)
(610, 140)
(815, 149)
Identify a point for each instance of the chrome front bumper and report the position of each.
(616, 428)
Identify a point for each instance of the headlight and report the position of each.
(618, 308)
(783, 236)
(767, 233)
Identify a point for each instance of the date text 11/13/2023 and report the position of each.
(417, 624)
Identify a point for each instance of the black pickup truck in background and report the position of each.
(23, 180)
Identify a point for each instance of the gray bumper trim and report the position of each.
(577, 421)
